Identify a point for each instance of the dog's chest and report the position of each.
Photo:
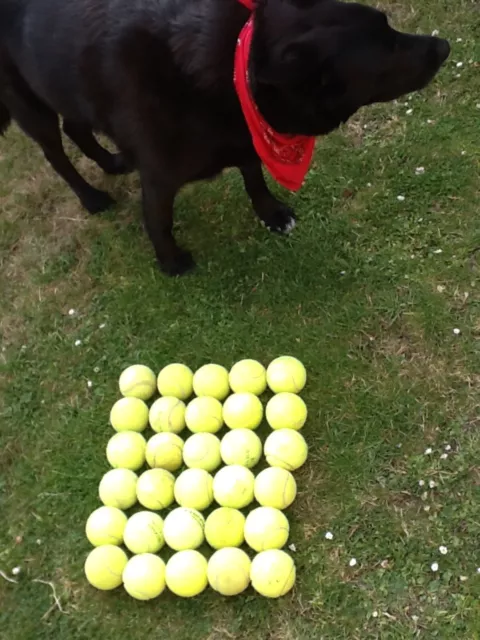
(215, 142)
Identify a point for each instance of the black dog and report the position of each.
(156, 76)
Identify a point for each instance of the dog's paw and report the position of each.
(281, 220)
(96, 201)
(180, 263)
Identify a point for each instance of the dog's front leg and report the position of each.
(158, 202)
(274, 214)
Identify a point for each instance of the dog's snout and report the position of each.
(443, 49)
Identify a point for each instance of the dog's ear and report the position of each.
(294, 63)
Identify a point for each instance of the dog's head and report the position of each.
(314, 63)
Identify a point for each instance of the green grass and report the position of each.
(360, 292)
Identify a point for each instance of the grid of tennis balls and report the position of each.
(265, 529)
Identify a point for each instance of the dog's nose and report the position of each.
(443, 49)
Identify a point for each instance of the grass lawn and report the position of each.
(367, 292)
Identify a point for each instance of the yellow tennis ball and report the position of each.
(275, 487)
(286, 374)
(286, 411)
(228, 571)
(248, 376)
(155, 489)
(104, 567)
(242, 411)
(202, 451)
(144, 576)
(285, 448)
(241, 446)
(175, 380)
(118, 488)
(224, 528)
(164, 451)
(129, 414)
(266, 528)
(272, 573)
(184, 529)
(144, 533)
(233, 486)
(167, 414)
(211, 380)
(204, 415)
(186, 573)
(194, 489)
(126, 450)
(138, 381)
(105, 525)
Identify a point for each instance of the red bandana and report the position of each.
(286, 157)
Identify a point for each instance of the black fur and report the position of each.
(156, 77)
(5, 119)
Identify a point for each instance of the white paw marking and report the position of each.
(290, 226)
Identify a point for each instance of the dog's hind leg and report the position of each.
(82, 136)
(273, 213)
(41, 123)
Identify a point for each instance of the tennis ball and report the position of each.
(184, 529)
(275, 487)
(194, 489)
(106, 525)
(104, 567)
(241, 446)
(144, 533)
(167, 414)
(144, 576)
(118, 488)
(211, 380)
(228, 571)
(248, 376)
(272, 573)
(155, 489)
(242, 411)
(126, 450)
(138, 381)
(266, 528)
(224, 528)
(175, 380)
(202, 451)
(204, 415)
(286, 374)
(233, 486)
(186, 573)
(164, 451)
(285, 448)
(129, 414)
(286, 411)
